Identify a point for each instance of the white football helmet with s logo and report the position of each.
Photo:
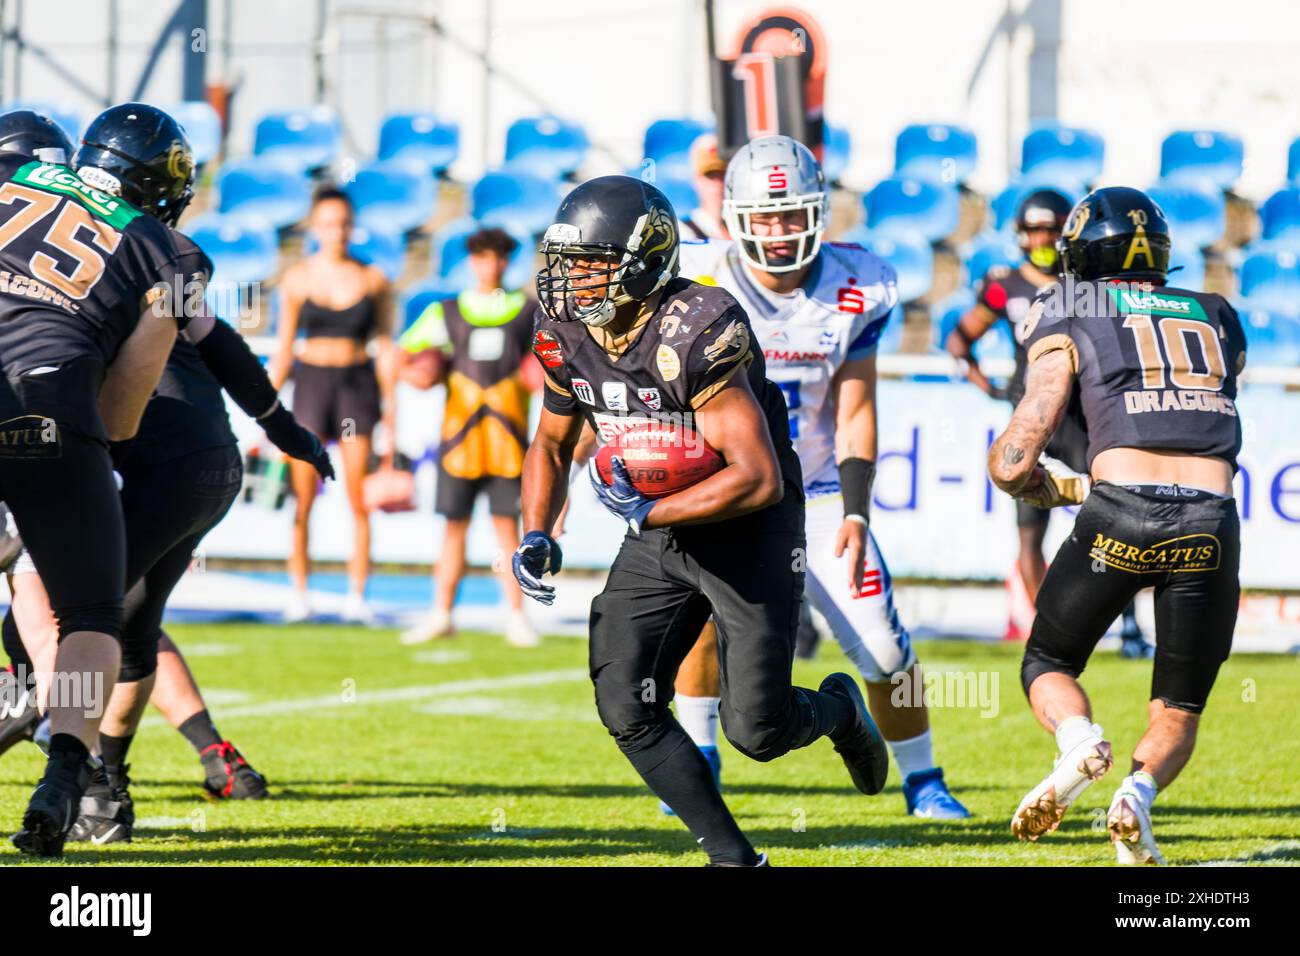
(775, 174)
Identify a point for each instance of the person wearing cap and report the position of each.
(705, 220)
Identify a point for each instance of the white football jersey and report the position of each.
(838, 314)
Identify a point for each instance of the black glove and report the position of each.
(295, 441)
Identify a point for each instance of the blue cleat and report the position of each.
(715, 762)
(928, 796)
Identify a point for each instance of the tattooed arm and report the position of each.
(1013, 459)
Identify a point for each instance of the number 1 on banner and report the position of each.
(757, 74)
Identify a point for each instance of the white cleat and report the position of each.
(1043, 808)
(437, 624)
(357, 611)
(298, 609)
(1129, 826)
(519, 632)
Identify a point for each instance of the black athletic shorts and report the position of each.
(1187, 544)
(334, 401)
(454, 497)
(167, 507)
(1068, 445)
(748, 573)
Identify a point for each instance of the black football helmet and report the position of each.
(1116, 233)
(1042, 209)
(34, 135)
(138, 152)
(621, 222)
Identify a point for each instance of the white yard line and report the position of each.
(396, 695)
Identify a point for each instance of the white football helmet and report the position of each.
(775, 174)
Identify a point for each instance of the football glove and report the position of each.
(537, 554)
(1053, 484)
(295, 441)
(621, 497)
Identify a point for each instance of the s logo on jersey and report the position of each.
(851, 299)
(582, 388)
(649, 397)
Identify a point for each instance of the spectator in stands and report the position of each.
(481, 340)
(705, 221)
(341, 306)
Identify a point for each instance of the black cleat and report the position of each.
(762, 861)
(863, 748)
(229, 775)
(18, 715)
(107, 812)
(54, 804)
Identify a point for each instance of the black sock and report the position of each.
(677, 772)
(112, 750)
(200, 731)
(832, 715)
(64, 744)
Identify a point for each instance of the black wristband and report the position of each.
(234, 365)
(856, 476)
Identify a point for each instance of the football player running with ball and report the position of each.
(818, 311)
(1156, 371)
(623, 340)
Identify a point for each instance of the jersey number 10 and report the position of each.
(1175, 362)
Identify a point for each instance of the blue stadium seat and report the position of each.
(1065, 154)
(680, 192)
(891, 340)
(1270, 279)
(1272, 338)
(1196, 215)
(988, 249)
(304, 139)
(1190, 263)
(202, 127)
(1005, 203)
(1280, 216)
(668, 143)
(515, 199)
(1293, 162)
(419, 140)
(392, 198)
(995, 343)
(242, 254)
(545, 146)
(837, 148)
(938, 152)
(417, 298)
(65, 114)
(254, 191)
(911, 257)
(385, 251)
(914, 206)
(1206, 157)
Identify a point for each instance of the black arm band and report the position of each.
(234, 365)
(856, 475)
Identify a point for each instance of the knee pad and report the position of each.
(757, 739)
(139, 654)
(1052, 650)
(103, 618)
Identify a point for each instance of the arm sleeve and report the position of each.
(724, 347)
(172, 271)
(240, 372)
(429, 331)
(1047, 329)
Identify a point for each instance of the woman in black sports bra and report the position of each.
(340, 305)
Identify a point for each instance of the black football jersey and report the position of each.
(675, 358)
(1156, 367)
(77, 268)
(1005, 292)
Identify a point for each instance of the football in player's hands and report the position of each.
(661, 458)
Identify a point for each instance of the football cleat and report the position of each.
(928, 797)
(18, 714)
(229, 775)
(107, 812)
(762, 861)
(1129, 824)
(715, 764)
(1043, 807)
(863, 749)
(436, 625)
(54, 804)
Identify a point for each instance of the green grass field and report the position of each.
(470, 752)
